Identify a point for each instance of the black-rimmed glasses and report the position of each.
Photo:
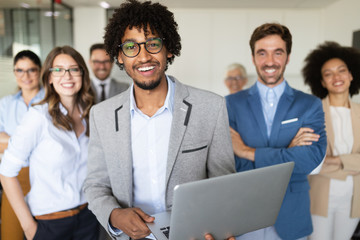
(132, 49)
(237, 78)
(60, 72)
(31, 71)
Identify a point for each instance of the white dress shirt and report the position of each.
(57, 160)
(97, 83)
(343, 131)
(150, 142)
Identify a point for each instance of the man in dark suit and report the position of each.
(101, 65)
(272, 123)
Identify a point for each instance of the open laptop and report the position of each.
(224, 206)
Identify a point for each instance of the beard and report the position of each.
(148, 85)
(277, 78)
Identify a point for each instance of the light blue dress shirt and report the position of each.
(13, 109)
(149, 141)
(269, 108)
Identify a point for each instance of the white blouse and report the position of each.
(57, 160)
(343, 132)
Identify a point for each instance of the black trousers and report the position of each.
(82, 226)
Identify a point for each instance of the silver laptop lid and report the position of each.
(229, 205)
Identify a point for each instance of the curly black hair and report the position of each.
(318, 57)
(140, 15)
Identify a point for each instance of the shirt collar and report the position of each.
(97, 82)
(278, 90)
(64, 111)
(18, 95)
(39, 96)
(169, 100)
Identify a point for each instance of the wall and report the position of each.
(89, 24)
(214, 38)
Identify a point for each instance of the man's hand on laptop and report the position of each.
(210, 237)
(131, 221)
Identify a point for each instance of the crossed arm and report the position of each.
(304, 137)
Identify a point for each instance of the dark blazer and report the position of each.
(303, 110)
(115, 88)
(200, 147)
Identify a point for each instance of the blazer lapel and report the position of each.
(283, 106)
(95, 92)
(113, 90)
(181, 115)
(256, 108)
(355, 119)
(122, 141)
(328, 124)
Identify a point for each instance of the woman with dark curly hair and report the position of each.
(333, 74)
(53, 140)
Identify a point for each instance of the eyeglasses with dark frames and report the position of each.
(237, 78)
(31, 71)
(98, 62)
(60, 72)
(132, 49)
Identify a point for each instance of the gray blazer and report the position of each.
(200, 147)
(115, 88)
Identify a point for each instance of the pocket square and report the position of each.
(289, 121)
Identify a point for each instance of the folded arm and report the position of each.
(306, 148)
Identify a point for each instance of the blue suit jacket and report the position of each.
(303, 110)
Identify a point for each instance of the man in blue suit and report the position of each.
(272, 123)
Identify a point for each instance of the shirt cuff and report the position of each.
(114, 231)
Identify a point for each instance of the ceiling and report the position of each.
(299, 4)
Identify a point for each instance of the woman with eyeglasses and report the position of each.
(53, 140)
(27, 67)
(333, 74)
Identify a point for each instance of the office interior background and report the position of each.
(214, 33)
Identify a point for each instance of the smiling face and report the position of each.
(336, 77)
(66, 86)
(270, 59)
(27, 81)
(147, 70)
(100, 64)
(235, 80)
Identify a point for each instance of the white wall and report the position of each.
(214, 38)
(89, 24)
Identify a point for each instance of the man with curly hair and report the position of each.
(273, 123)
(157, 134)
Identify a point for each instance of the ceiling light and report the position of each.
(24, 5)
(50, 14)
(104, 4)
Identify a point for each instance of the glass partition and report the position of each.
(37, 29)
